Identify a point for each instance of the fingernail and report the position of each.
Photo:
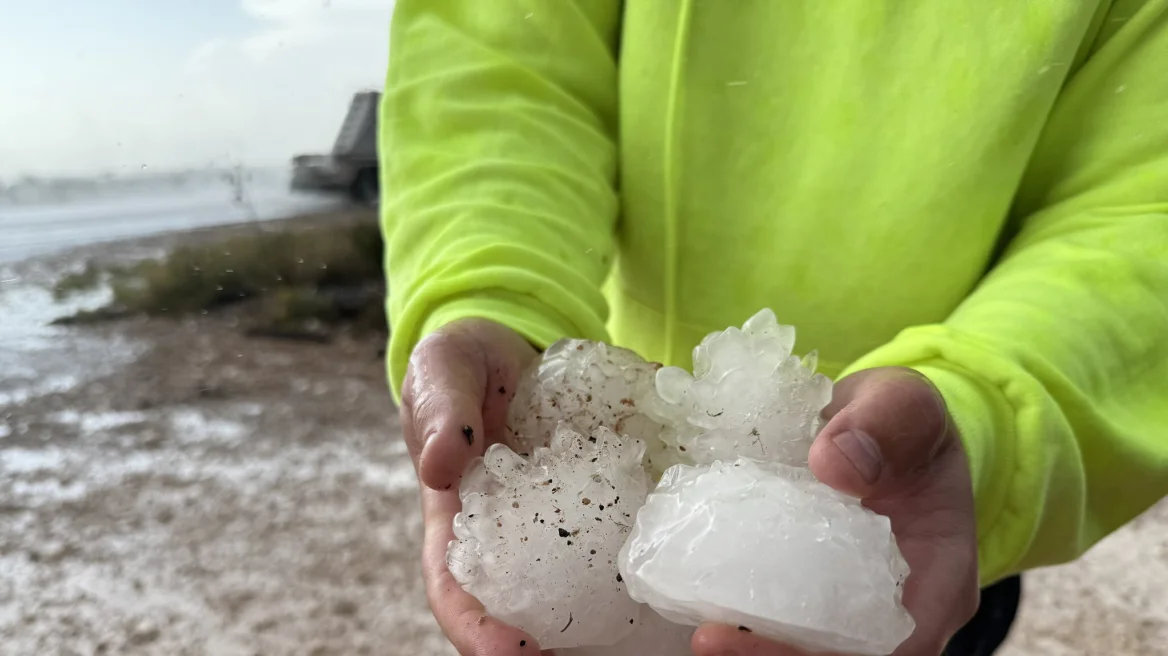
(863, 452)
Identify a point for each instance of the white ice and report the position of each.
(586, 384)
(738, 531)
(538, 538)
(768, 547)
(747, 396)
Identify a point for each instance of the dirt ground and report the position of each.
(198, 492)
(217, 496)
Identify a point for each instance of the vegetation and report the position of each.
(86, 279)
(302, 282)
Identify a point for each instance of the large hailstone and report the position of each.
(747, 396)
(766, 546)
(653, 636)
(587, 385)
(538, 538)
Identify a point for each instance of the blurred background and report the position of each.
(198, 454)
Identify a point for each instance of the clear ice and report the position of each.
(738, 531)
(747, 396)
(766, 546)
(538, 537)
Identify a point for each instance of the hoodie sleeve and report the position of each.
(498, 167)
(1056, 368)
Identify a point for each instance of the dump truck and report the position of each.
(351, 167)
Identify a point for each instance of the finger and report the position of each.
(938, 540)
(941, 595)
(442, 401)
(886, 426)
(723, 640)
(461, 616)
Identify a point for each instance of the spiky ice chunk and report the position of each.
(660, 456)
(747, 396)
(766, 546)
(538, 538)
(653, 636)
(586, 384)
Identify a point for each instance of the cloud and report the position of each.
(277, 89)
(284, 88)
(296, 10)
(309, 23)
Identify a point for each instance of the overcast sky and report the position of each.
(92, 86)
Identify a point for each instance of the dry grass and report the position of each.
(301, 280)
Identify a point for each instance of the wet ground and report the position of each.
(171, 487)
(216, 496)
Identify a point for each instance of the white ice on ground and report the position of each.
(747, 396)
(538, 538)
(768, 547)
(653, 636)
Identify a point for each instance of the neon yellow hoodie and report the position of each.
(977, 189)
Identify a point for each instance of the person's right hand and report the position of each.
(454, 405)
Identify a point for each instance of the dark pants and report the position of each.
(989, 627)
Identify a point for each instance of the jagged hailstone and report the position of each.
(653, 636)
(537, 538)
(739, 531)
(747, 396)
(586, 384)
(766, 546)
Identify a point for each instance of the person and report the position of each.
(962, 206)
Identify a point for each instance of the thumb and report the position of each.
(454, 399)
(886, 426)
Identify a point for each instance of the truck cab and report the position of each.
(351, 167)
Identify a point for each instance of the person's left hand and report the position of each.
(890, 441)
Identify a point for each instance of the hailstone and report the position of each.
(555, 523)
(587, 385)
(653, 636)
(765, 546)
(538, 537)
(747, 396)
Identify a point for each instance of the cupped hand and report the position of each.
(890, 441)
(454, 405)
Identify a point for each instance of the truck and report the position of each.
(351, 167)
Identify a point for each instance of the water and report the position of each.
(28, 230)
(37, 358)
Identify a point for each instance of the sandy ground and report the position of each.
(216, 496)
(197, 492)
(172, 487)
